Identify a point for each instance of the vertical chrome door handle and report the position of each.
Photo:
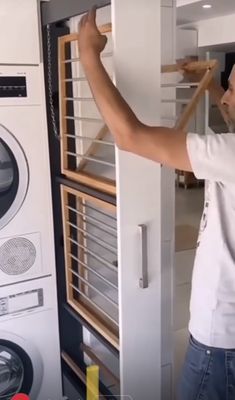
(143, 281)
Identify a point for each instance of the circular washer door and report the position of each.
(16, 371)
(14, 176)
(21, 367)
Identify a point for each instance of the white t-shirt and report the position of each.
(212, 305)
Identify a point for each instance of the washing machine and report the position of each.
(29, 341)
(26, 225)
(29, 333)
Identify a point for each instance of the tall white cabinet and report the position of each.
(137, 74)
(145, 194)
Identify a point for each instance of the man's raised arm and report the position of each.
(164, 145)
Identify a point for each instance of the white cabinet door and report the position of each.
(137, 60)
(19, 39)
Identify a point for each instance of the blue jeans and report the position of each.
(208, 373)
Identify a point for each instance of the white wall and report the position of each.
(216, 31)
(186, 43)
(180, 3)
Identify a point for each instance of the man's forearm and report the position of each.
(118, 116)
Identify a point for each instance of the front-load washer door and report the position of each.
(14, 176)
(16, 370)
(21, 365)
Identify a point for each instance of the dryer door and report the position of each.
(14, 176)
(16, 370)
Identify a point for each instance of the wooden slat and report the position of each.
(190, 108)
(93, 147)
(106, 371)
(87, 197)
(191, 66)
(102, 184)
(75, 368)
(199, 66)
(80, 374)
(95, 322)
(170, 68)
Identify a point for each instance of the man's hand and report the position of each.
(90, 42)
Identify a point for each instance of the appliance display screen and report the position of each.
(13, 86)
(21, 302)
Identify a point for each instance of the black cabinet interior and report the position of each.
(70, 323)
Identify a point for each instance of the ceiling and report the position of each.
(191, 10)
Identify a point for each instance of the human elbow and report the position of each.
(125, 139)
(125, 143)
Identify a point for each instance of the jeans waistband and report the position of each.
(205, 347)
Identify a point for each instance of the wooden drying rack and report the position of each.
(86, 308)
(103, 184)
(203, 72)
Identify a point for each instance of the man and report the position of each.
(209, 369)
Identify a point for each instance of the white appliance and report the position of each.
(29, 342)
(26, 226)
(19, 25)
(29, 334)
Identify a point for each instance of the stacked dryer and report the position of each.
(29, 337)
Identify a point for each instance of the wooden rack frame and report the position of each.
(203, 72)
(77, 293)
(100, 183)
